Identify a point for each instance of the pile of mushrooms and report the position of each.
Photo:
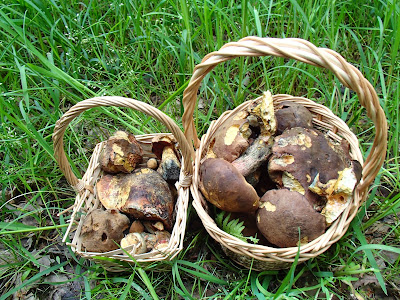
(274, 168)
(138, 202)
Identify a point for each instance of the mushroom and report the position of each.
(136, 226)
(102, 231)
(164, 148)
(143, 194)
(152, 163)
(286, 218)
(136, 240)
(223, 185)
(231, 138)
(299, 154)
(121, 153)
(338, 193)
(290, 114)
(260, 149)
(160, 238)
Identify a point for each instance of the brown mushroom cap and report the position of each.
(101, 230)
(282, 213)
(225, 187)
(144, 194)
(299, 155)
(121, 153)
(290, 114)
(231, 138)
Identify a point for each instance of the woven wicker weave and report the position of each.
(86, 198)
(263, 257)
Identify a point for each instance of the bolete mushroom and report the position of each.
(121, 153)
(290, 114)
(260, 149)
(299, 154)
(143, 194)
(286, 218)
(102, 230)
(136, 240)
(156, 240)
(164, 148)
(231, 138)
(223, 185)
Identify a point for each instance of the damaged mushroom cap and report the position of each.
(290, 114)
(282, 214)
(103, 230)
(338, 193)
(223, 186)
(143, 194)
(299, 154)
(231, 138)
(164, 148)
(121, 153)
(136, 240)
(157, 240)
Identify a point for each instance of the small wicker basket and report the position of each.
(261, 257)
(86, 199)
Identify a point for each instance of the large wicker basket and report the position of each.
(258, 256)
(86, 199)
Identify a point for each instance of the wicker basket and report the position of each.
(86, 196)
(262, 257)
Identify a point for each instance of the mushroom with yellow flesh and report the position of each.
(306, 161)
(121, 153)
(143, 194)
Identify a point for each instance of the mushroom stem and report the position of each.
(170, 166)
(254, 157)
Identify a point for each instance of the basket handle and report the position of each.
(306, 52)
(76, 110)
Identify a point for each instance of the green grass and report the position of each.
(54, 54)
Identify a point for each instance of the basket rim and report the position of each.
(103, 101)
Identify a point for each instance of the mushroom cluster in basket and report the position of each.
(138, 201)
(286, 180)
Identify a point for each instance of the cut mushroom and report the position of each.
(225, 187)
(286, 218)
(121, 153)
(164, 148)
(152, 163)
(102, 231)
(260, 149)
(157, 240)
(143, 194)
